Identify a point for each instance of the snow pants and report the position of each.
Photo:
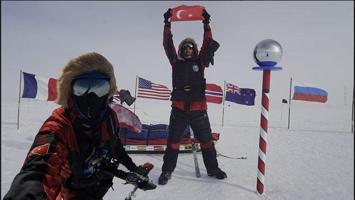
(199, 122)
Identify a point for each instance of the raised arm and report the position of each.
(168, 39)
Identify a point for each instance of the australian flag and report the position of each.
(245, 96)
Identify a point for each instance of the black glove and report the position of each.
(134, 178)
(206, 17)
(142, 182)
(142, 170)
(167, 15)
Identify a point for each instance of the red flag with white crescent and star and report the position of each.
(187, 13)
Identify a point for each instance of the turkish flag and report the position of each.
(187, 13)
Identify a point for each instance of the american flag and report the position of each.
(147, 89)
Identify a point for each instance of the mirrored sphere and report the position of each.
(267, 52)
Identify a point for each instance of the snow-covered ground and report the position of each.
(312, 160)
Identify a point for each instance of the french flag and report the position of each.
(310, 94)
(214, 93)
(36, 87)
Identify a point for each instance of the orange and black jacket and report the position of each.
(175, 59)
(55, 167)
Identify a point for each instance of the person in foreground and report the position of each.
(189, 107)
(77, 150)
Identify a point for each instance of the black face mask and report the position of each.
(91, 108)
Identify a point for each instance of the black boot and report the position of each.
(218, 173)
(164, 178)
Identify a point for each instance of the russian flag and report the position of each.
(214, 93)
(36, 87)
(310, 94)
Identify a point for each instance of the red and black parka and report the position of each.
(55, 164)
(177, 62)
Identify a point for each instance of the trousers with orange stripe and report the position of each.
(199, 122)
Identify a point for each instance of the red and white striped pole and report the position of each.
(266, 54)
(264, 120)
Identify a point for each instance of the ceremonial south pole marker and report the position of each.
(267, 54)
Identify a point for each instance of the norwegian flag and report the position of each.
(214, 93)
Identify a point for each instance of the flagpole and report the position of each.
(352, 117)
(289, 105)
(135, 96)
(224, 99)
(282, 109)
(19, 101)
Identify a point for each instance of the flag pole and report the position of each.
(135, 96)
(282, 109)
(19, 101)
(224, 99)
(352, 116)
(289, 105)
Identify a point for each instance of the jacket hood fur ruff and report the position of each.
(79, 65)
(191, 41)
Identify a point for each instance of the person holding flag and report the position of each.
(189, 107)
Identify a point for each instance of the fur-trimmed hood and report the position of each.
(191, 41)
(82, 64)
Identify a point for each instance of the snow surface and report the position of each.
(312, 160)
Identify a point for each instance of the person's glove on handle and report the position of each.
(144, 169)
(142, 182)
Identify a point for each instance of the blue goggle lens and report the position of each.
(100, 87)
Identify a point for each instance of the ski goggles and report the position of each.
(99, 86)
(91, 82)
(187, 45)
